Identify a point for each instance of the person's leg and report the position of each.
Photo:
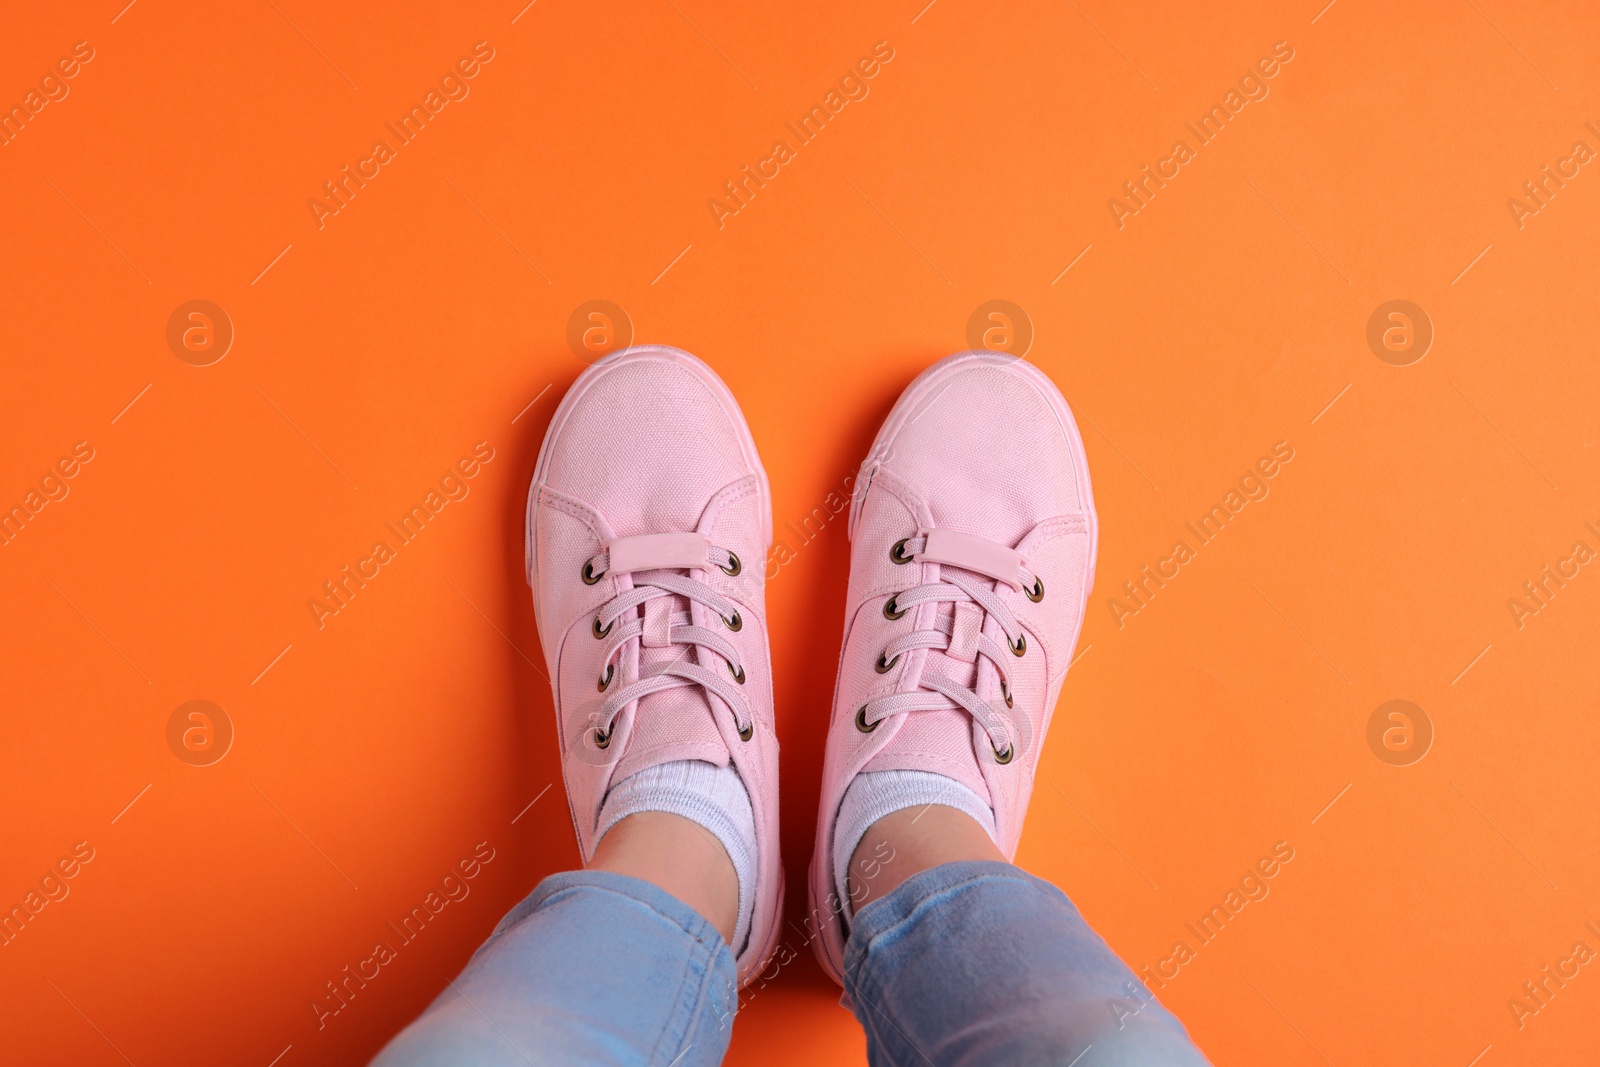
(917, 838)
(646, 499)
(677, 855)
(957, 957)
(596, 966)
(973, 542)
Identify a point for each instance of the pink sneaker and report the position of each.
(649, 520)
(973, 535)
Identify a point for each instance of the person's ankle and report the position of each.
(678, 856)
(910, 841)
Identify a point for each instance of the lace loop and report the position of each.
(970, 553)
(674, 556)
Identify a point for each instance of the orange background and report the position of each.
(431, 312)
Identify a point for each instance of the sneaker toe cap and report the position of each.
(988, 450)
(647, 444)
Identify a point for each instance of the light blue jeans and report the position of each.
(967, 963)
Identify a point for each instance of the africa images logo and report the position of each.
(1253, 87)
(453, 86)
(852, 87)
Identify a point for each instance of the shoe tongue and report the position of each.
(676, 724)
(945, 735)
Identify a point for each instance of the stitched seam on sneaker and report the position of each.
(940, 758)
(729, 494)
(569, 506)
(902, 491)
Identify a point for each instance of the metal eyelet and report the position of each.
(861, 721)
(1035, 594)
(897, 553)
(589, 576)
(748, 732)
(602, 738)
(738, 675)
(735, 624)
(599, 633)
(735, 569)
(1021, 646)
(890, 611)
(1005, 691)
(884, 668)
(611, 671)
(1005, 757)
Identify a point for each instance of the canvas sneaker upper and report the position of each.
(649, 521)
(973, 540)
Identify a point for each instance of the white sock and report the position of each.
(875, 794)
(715, 798)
